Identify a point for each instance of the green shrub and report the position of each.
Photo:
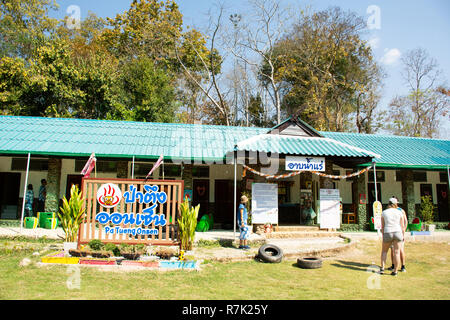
(427, 209)
(111, 247)
(187, 222)
(71, 214)
(96, 244)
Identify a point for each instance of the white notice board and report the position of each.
(330, 217)
(264, 203)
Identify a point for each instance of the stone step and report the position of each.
(295, 228)
(301, 234)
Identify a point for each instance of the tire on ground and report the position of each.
(309, 263)
(270, 253)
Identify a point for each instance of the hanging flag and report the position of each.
(90, 164)
(156, 165)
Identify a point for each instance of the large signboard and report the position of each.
(131, 211)
(264, 203)
(329, 217)
(294, 163)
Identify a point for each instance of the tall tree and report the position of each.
(257, 44)
(419, 113)
(323, 64)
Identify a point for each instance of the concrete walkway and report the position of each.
(221, 245)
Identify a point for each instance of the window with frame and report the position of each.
(142, 169)
(20, 164)
(419, 176)
(200, 172)
(380, 176)
(100, 165)
(171, 171)
(443, 177)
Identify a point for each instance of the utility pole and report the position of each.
(235, 19)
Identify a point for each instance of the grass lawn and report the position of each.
(342, 277)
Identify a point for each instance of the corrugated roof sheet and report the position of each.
(81, 137)
(399, 151)
(124, 139)
(286, 144)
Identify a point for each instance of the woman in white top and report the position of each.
(392, 227)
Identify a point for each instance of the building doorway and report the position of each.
(9, 195)
(442, 202)
(73, 179)
(224, 202)
(200, 195)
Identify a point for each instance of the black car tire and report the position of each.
(309, 263)
(270, 253)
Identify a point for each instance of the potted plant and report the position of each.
(165, 253)
(268, 227)
(187, 222)
(131, 252)
(71, 216)
(98, 248)
(427, 212)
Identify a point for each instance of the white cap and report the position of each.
(393, 201)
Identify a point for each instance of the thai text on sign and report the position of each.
(109, 196)
(305, 163)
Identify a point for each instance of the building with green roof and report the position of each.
(203, 155)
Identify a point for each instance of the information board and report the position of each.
(377, 210)
(264, 203)
(329, 216)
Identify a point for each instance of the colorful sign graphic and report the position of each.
(109, 195)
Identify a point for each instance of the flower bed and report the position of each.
(148, 264)
(178, 264)
(100, 262)
(59, 258)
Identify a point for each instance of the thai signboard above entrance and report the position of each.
(294, 163)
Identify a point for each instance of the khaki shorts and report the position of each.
(392, 236)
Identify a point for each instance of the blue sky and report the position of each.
(403, 25)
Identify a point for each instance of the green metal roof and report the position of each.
(312, 146)
(400, 152)
(144, 140)
(118, 139)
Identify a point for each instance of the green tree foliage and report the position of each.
(147, 93)
(24, 26)
(121, 68)
(149, 28)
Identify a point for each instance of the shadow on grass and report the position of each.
(352, 265)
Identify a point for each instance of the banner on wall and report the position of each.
(264, 203)
(330, 209)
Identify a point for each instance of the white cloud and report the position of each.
(390, 56)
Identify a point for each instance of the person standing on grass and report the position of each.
(392, 227)
(402, 243)
(29, 197)
(242, 217)
(42, 196)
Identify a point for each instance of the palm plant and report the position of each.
(187, 223)
(71, 214)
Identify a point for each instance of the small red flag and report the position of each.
(89, 166)
(156, 165)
